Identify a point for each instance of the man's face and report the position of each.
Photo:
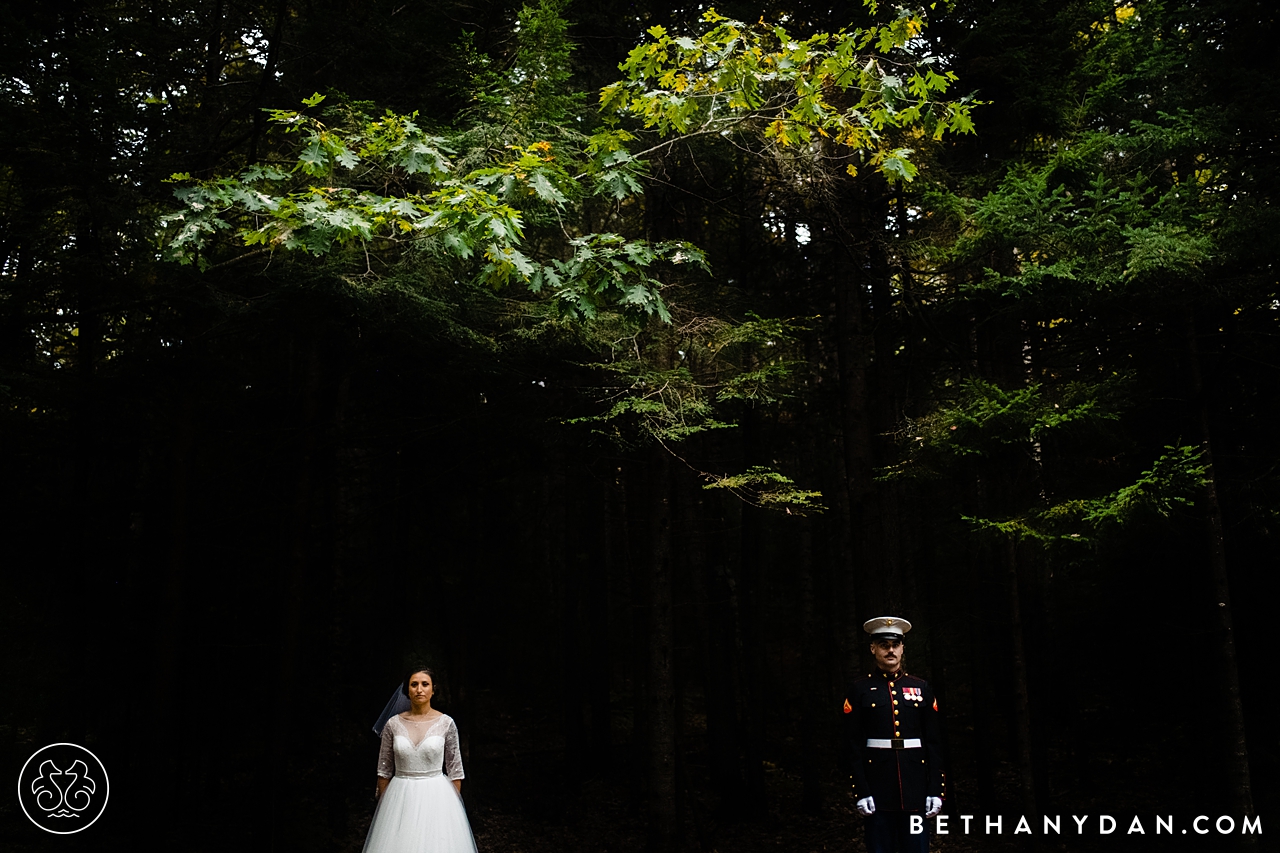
(888, 654)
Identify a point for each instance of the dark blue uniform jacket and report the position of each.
(898, 707)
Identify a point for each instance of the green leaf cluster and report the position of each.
(676, 384)
(850, 86)
(765, 487)
(983, 420)
(1170, 484)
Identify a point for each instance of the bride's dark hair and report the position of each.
(404, 686)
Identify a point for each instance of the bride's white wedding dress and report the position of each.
(420, 811)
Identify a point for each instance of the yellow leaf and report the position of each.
(851, 169)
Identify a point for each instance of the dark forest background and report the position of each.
(1035, 387)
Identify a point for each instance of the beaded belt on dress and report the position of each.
(419, 774)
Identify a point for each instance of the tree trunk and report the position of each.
(1021, 700)
(353, 487)
(299, 575)
(812, 710)
(694, 564)
(662, 832)
(600, 569)
(981, 677)
(881, 409)
(570, 569)
(641, 582)
(929, 598)
(168, 635)
(854, 351)
(719, 628)
(1239, 786)
(751, 658)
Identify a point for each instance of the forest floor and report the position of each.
(529, 809)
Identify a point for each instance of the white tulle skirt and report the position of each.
(420, 814)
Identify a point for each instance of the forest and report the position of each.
(621, 359)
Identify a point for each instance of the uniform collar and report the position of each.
(901, 673)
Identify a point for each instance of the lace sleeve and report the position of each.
(386, 754)
(452, 754)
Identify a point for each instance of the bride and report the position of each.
(419, 779)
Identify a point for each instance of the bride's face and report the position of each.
(420, 688)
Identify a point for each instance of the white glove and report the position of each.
(932, 805)
(866, 806)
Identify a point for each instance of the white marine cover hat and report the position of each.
(886, 627)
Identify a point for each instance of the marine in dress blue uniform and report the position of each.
(893, 744)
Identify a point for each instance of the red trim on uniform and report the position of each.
(898, 761)
(935, 703)
(848, 709)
